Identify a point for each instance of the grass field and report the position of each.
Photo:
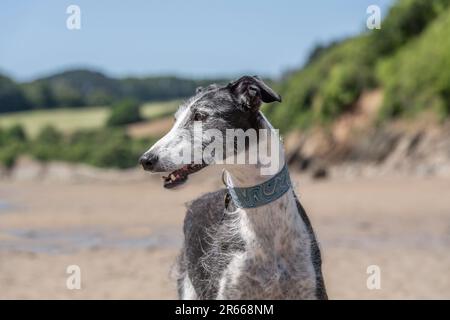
(71, 119)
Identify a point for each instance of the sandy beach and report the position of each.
(125, 235)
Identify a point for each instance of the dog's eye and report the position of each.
(199, 116)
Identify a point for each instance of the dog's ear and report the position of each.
(251, 92)
(198, 90)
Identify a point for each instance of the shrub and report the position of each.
(409, 57)
(16, 133)
(49, 135)
(48, 144)
(417, 78)
(13, 142)
(341, 89)
(406, 20)
(105, 147)
(2, 137)
(10, 151)
(326, 87)
(124, 112)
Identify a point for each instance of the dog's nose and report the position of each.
(148, 161)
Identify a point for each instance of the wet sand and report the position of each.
(125, 235)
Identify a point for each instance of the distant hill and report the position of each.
(72, 88)
(12, 97)
(408, 58)
(77, 88)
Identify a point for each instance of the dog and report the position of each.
(235, 246)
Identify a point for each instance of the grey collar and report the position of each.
(262, 194)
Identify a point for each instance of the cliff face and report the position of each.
(356, 145)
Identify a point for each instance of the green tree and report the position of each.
(16, 133)
(417, 77)
(13, 142)
(49, 135)
(124, 112)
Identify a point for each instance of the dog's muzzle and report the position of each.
(148, 161)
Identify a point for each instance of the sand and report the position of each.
(125, 235)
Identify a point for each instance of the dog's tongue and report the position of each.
(176, 178)
(180, 176)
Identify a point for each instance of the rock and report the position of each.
(375, 146)
(304, 164)
(359, 118)
(304, 150)
(27, 169)
(317, 144)
(398, 156)
(292, 144)
(320, 173)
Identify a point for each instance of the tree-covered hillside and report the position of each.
(77, 88)
(408, 58)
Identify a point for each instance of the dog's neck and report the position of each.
(248, 175)
(277, 242)
(260, 219)
(275, 236)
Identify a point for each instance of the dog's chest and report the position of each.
(276, 262)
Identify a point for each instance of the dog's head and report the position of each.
(234, 106)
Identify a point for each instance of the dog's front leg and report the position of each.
(229, 288)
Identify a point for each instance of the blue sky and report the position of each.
(189, 38)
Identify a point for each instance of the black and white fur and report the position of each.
(268, 252)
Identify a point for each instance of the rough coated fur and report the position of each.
(225, 257)
(268, 252)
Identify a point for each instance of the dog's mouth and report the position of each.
(180, 176)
